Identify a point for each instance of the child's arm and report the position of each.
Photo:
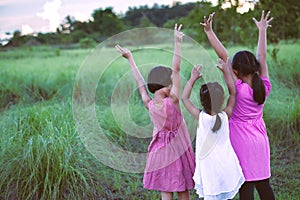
(262, 26)
(226, 68)
(195, 75)
(213, 39)
(175, 90)
(137, 75)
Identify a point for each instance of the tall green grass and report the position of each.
(42, 156)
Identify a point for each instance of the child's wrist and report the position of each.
(208, 31)
(193, 79)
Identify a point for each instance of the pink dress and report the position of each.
(170, 161)
(248, 134)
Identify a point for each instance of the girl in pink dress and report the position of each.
(248, 133)
(170, 161)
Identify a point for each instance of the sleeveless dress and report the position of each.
(218, 174)
(170, 160)
(248, 133)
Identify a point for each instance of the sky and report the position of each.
(33, 16)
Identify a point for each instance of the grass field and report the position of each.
(43, 157)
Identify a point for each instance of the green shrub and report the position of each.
(87, 42)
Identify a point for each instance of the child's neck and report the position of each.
(212, 113)
(158, 97)
(158, 100)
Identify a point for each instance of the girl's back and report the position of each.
(170, 160)
(164, 117)
(218, 174)
(246, 109)
(247, 124)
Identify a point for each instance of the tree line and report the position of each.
(231, 26)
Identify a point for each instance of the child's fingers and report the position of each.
(209, 19)
(118, 48)
(180, 35)
(198, 68)
(268, 14)
(211, 16)
(175, 28)
(262, 15)
(205, 20)
(270, 20)
(221, 61)
(254, 20)
(179, 28)
(220, 67)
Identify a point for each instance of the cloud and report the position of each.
(26, 29)
(51, 14)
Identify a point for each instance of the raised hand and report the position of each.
(264, 22)
(178, 35)
(224, 65)
(126, 53)
(196, 71)
(207, 24)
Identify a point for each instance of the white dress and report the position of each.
(218, 174)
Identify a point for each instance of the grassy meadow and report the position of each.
(43, 157)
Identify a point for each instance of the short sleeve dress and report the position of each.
(218, 175)
(248, 133)
(170, 160)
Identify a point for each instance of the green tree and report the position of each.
(285, 13)
(16, 40)
(105, 23)
(87, 42)
(68, 25)
(145, 22)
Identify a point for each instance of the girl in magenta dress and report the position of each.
(248, 134)
(170, 161)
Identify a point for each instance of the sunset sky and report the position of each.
(33, 16)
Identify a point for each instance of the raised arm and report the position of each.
(195, 75)
(175, 90)
(137, 75)
(213, 39)
(262, 26)
(226, 69)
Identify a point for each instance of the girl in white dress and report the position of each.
(218, 174)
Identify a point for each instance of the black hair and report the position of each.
(212, 98)
(159, 77)
(246, 63)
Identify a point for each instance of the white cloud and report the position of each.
(26, 29)
(51, 14)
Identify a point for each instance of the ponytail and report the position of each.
(246, 63)
(217, 124)
(259, 91)
(212, 98)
